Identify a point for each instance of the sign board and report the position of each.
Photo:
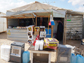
(68, 20)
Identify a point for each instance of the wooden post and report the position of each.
(64, 34)
(18, 21)
(7, 22)
(52, 31)
(48, 23)
(36, 21)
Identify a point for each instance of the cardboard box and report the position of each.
(51, 42)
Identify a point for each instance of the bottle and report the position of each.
(73, 58)
(79, 59)
(26, 57)
(41, 44)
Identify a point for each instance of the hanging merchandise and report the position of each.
(30, 37)
(50, 23)
(42, 32)
(51, 20)
(30, 28)
(42, 28)
(30, 33)
(36, 30)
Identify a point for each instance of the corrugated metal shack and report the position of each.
(72, 20)
(3, 23)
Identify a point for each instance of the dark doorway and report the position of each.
(58, 29)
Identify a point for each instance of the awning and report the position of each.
(26, 15)
(29, 15)
(43, 14)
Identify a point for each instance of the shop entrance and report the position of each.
(58, 29)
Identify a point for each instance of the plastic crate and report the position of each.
(64, 55)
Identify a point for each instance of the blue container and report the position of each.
(80, 59)
(52, 23)
(26, 56)
(47, 31)
(48, 36)
(73, 58)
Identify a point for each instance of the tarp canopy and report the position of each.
(36, 9)
(34, 6)
(27, 15)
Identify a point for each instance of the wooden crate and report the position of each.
(40, 57)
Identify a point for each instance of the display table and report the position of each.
(43, 56)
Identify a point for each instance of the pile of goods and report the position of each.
(51, 43)
(37, 37)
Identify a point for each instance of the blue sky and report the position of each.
(76, 5)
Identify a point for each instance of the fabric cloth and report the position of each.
(60, 31)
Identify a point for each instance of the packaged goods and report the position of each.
(42, 34)
(51, 43)
(36, 30)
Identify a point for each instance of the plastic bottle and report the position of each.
(26, 57)
(73, 58)
(37, 45)
(79, 59)
(41, 44)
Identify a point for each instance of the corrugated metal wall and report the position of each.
(3, 23)
(17, 34)
(74, 25)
